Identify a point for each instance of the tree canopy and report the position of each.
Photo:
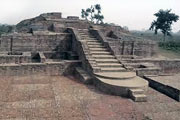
(164, 22)
(93, 14)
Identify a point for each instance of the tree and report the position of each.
(84, 14)
(164, 22)
(93, 14)
(126, 28)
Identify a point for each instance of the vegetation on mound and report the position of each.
(5, 29)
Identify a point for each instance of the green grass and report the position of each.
(158, 37)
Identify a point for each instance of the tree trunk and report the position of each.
(164, 37)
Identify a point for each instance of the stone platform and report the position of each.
(169, 85)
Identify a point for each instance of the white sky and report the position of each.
(136, 14)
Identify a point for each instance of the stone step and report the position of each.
(100, 53)
(126, 56)
(113, 69)
(88, 37)
(90, 42)
(139, 98)
(109, 65)
(82, 29)
(116, 75)
(96, 46)
(107, 61)
(137, 95)
(91, 60)
(95, 67)
(84, 33)
(135, 91)
(121, 87)
(103, 56)
(91, 38)
(94, 43)
(98, 49)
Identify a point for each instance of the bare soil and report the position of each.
(168, 54)
(36, 97)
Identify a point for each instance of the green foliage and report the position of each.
(93, 14)
(159, 37)
(170, 45)
(164, 22)
(5, 29)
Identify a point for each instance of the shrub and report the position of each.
(170, 45)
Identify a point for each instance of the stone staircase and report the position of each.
(111, 76)
(137, 95)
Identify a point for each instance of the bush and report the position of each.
(170, 45)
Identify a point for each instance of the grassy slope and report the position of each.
(169, 54)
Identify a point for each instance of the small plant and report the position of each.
(93, 14)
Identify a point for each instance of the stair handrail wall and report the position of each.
(81, 48)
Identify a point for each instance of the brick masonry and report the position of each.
(50, 68)
(29, 42)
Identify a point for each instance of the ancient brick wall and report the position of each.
(29, 42)
(127, 45)
(166, 65)
(53, 69)
(137, 47)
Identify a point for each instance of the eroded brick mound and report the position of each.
(51, 22)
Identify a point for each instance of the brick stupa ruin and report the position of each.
(107, 56)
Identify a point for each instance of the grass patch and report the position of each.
(170, 45)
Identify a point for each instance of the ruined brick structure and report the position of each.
(50, 44)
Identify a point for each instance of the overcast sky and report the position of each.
(136, 14)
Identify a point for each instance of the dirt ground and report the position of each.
(168, 54)
(64, 98)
